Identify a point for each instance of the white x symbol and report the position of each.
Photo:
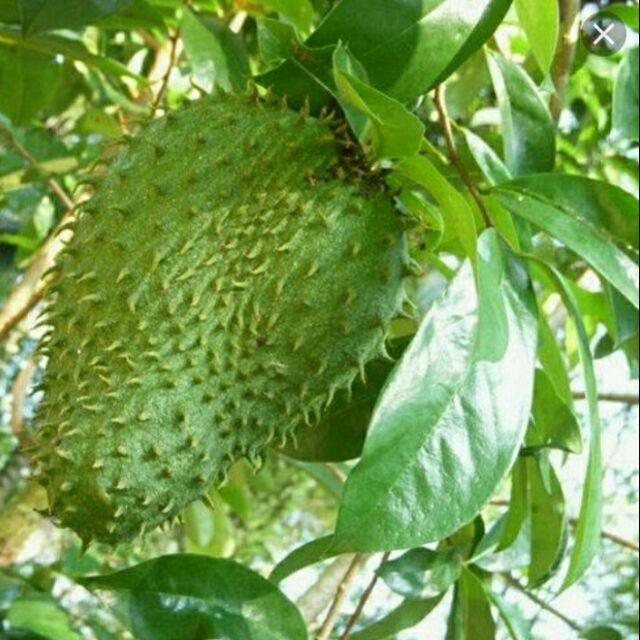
(604, 35)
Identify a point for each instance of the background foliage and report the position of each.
(505, 428)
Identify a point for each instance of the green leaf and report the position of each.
(307, 554)
(457, 212)
(412, 45)
(594, 202)
(47, 15)
(442, 436)
(625, 97)
(33, 79)
(299, 12)
(548, 523)
(276, 40)
(404, 616)
(422, 573)
(341, 432)
(43, 617)
(518, 505)
(193, 597)
(582, 230)
(552, 361)
(470, 615)
(528, 131)
(587, 535)
(601, 633)
(554, 424)
(487, 159)
(396, 132)
(217, 56)
(541, 23)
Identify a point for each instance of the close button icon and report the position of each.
(603, 34)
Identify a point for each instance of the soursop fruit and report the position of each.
(234, 269)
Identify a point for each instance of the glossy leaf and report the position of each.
(518, 505)
(298, 12)
(554, 424)
(47, 15)
(396, 132)
(441, 438)
(470, 615)
(216, 54)
(411, 46)
(193, 597)
(528, 132)
(579, 231)
(487, 159)
(625, 97)
(42, 617)
(404, 616)
(587, 535)
(276, 40)
(304, 556)
(422, 573)
(548, 523)
(541, 23)
(456, 211)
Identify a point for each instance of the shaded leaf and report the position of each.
(47, 15)
(512, 617)
(193, 597)
(307, 554)
(217, 55)
(441, 438)
(422, 573)
(43, 617)
(580, 231)
(528, 131)
(412, 46)
(470, 615)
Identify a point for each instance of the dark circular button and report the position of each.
(603, 34)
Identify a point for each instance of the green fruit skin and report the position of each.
(225, 280)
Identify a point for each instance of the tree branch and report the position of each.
(512, 582)
(565, 54)
(173, 54)
(445, 122)
(341, 595)
(363, 601)
(622, 398)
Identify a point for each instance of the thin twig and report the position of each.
(173, 40)
(445, 122)
(622, 398)
(19, 394)
(511, 581)
(364, 598)
(341, 595)
(29, 290)
(52, 183)
(565, 54)
(632, 545)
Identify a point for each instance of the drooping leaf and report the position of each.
(554, 424)
(193, 597)
(442, 438)
(487, 159)
(518, 505)
(584, 230)
(217, 55)
(422, 573)
(512, 617)
(625, 97)
(528, 131)
(47, 15)
(587, 535)
(548, 523)
(470, 615)
(541, 23)
(456, 211)
(409, 46)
